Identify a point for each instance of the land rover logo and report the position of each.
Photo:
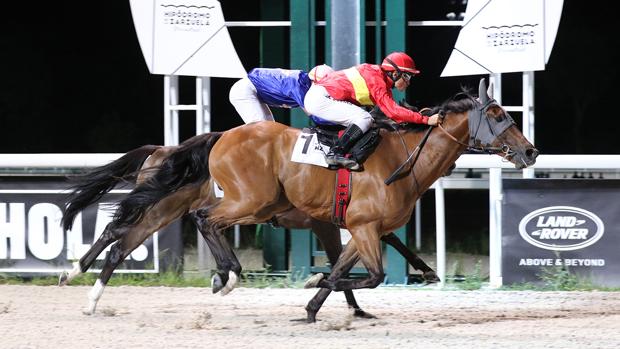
(561, 228)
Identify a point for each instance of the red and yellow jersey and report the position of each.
(366, 84)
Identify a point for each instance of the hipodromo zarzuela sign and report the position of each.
(554, 224)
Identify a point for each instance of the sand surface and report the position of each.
(164, 317)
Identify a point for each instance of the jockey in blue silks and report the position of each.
(281, 88)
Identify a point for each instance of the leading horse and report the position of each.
(137, 166)
(252, 165)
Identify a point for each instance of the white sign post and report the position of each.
(502, 36)
(186, 37)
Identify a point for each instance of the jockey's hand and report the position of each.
(433, 120)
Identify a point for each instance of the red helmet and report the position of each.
(399, 61)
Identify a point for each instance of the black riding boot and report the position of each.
(336, 155)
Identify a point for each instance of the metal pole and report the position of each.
(168, 132)
(203, 94)
(345, 33)
(440, 221)
(496, 80)
(206, 262)
(418, 225)
(378, 37)
(528, 113)
(495, 227)
(237, 236)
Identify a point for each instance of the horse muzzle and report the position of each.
(524, 158)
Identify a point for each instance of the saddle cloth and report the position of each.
(314, 143)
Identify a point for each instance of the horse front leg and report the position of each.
(367, 241)
(343, 265)
(329, 235)
(416, 262)
(229, 268)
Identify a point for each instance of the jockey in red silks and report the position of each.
(338, 98)
(265, 87)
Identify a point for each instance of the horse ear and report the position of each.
(482, 92)
(490, 90)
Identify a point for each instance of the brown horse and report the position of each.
(138, 165)
(251, 163)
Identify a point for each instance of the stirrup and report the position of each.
(342, 161)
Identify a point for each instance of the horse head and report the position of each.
(492, 130)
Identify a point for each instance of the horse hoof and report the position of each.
(216, 283)
(89, 311)
(313, 281)
(308, 320)
(63, 278)
(230, 284)
(359, 313)
(431, 277)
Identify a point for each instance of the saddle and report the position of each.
(361, 150)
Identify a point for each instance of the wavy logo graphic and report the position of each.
(561, 228)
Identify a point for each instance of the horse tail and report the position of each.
(189, 164)
(88, 188)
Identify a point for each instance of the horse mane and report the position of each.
(459, 103)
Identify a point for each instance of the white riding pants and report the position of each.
(319, 103)
(244, 98)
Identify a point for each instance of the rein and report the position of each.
(475, 144)
(416, 152)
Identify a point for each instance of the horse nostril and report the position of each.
(532, 153)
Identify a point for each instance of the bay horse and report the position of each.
(138, 165)
(251, 164)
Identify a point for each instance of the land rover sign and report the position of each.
(567, 224)
(561, 228)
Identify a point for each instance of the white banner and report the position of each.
(501, 36)
(185, 37)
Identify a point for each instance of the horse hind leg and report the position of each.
(229, 268)
(416, 262)
(109, 235)
(119, 251)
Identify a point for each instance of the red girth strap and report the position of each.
(342, 196)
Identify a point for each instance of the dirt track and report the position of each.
(161, 317)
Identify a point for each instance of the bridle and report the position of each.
(486, 131)
(480, 140)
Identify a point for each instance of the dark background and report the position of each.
(74, 79)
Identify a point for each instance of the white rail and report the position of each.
(56, 160)
(495, 165)
(47, 160)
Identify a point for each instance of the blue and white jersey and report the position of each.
(280, 88)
